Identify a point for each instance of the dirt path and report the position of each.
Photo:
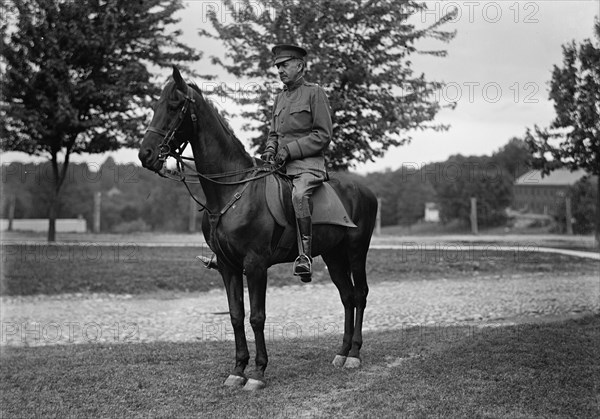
(295, 311)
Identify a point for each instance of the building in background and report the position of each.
(432, 213)
(541, 195)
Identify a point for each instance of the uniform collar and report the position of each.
(294, 85)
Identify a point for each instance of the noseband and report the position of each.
(165, 146)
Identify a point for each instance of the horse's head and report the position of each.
(171, 123)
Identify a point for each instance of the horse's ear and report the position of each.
(179, 82)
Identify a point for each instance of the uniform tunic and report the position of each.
(302, 122)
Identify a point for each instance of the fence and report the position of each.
(63, 225)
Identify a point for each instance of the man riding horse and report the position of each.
(300, 131)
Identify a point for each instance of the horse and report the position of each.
(241, 231)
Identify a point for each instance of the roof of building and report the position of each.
(561, 177)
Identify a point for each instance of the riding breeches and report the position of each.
(304, 184)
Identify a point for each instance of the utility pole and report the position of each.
(474, 229)
(97, 211)
(569, 215)
(378, 218)
(12, 203)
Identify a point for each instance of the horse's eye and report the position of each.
(173, 105)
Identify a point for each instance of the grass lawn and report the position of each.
(545, 370)
(29, 269)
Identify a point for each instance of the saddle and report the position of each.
(327, 208)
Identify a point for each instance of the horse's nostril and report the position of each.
(144, 154)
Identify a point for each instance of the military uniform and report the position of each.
(300, 131)
(301, 122)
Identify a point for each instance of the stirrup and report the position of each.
(305, 275)
(209, 263)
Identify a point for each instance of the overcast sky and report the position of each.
(497, 71)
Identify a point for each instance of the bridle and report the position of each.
(166, 150)
(168, 136)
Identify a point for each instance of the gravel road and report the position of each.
(304, 310)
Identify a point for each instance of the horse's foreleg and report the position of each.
(234, 287)
(256, 274)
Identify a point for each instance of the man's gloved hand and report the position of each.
(268, 156)
(282, 155)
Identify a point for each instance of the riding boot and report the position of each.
(303, 264)
(209, 263)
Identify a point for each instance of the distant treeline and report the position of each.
(135, 199)
(451, 184)
(132, 198)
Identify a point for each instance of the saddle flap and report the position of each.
(327, 206)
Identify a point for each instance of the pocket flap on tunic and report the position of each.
(301, 107)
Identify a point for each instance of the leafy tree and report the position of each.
(573, 138)
(415, 192)
(583, 207)
(460, 178)
(359, 52)
(77, 77)
(515, 157)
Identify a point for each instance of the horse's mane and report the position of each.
(222, 120)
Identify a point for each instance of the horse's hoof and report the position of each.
(352, 362)
(235, 381)
(253, 384)
(339, 361)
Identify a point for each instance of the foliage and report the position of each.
(451, 184)
(515, 157)
(460, 178)
(583, 206)
(131, 197)
(359, 52)
(573, 138)
(77, 77)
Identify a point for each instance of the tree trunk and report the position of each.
(59, 177)
(52, 215)
(598, 212)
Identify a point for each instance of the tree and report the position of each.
(77, 77)
(573, 138)
(415, 192)
(460, 178)
(359, 53)
(515, 157)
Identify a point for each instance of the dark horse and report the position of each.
(240, 230)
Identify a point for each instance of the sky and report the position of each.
(497, 70)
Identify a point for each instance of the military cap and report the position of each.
(285, 52)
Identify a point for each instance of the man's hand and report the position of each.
(268, 156)
(282, 155)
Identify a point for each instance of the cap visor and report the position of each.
(280, 60)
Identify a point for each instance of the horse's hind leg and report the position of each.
(358, 261)
(339, 270)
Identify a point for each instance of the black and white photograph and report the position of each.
(300, 209)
